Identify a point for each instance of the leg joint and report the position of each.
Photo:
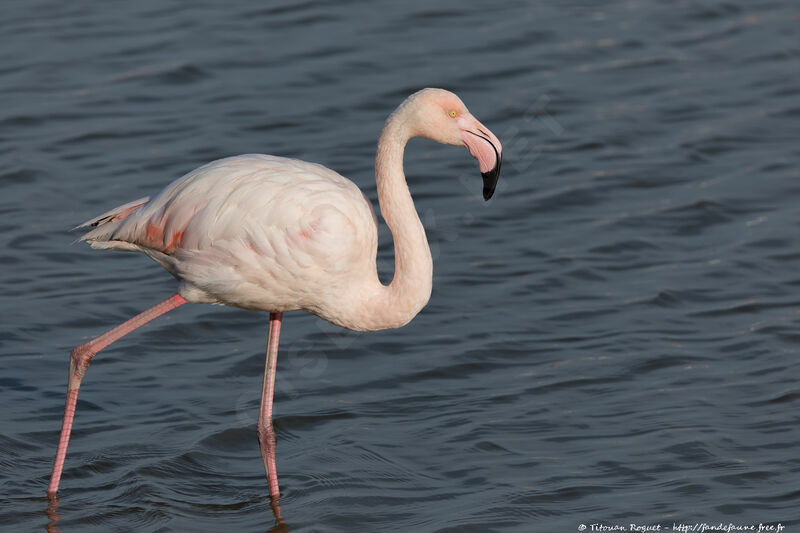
(79, 359)
(265, 431)
(266, 440)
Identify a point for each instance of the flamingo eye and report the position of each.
(453, 113)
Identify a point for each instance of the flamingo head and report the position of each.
(442, 117)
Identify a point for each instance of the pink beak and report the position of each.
(485, 147)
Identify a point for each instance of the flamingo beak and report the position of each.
(485, 147)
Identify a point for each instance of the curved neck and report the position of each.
(410, 288)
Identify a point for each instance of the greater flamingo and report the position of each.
(273, 234)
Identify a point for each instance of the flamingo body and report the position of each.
(258, 232)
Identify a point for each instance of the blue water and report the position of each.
(613, 339)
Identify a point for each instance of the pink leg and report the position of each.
(79, 362)
(266, 435)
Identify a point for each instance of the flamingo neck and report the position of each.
(396, 304)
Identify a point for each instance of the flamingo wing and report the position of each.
(253, 231)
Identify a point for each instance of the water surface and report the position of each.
(612, 339)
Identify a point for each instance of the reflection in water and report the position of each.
(279, 525)
(52, 514)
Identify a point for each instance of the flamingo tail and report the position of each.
(104, 225)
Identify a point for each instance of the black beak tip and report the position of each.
(490, 181)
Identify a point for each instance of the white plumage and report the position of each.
(254, 231)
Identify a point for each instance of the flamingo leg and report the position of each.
(79, 362)
(266, 434)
